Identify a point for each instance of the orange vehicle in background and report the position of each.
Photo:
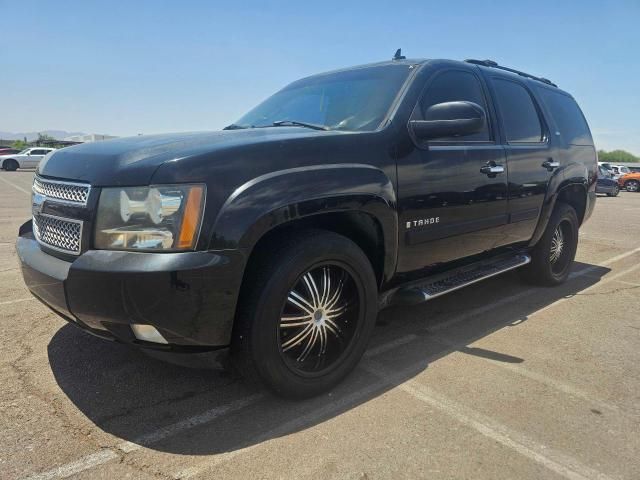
(630, 181)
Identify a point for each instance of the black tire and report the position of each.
(261, 349)
(10, 165)
(632, 186)
(615, 192)
(545, 269)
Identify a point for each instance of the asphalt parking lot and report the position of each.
(498, 380)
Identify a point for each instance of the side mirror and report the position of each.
(449, 119)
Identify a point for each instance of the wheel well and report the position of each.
(576, 196)
(361, 228)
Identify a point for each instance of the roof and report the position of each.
(485, 64)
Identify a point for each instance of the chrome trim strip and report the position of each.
(63, 183)
(58, 249)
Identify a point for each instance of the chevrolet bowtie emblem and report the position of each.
(36, 203)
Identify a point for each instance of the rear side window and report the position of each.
(453, 86)
(568, 117)
(519, 115)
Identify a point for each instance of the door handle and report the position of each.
(492, 169)
(550, 165)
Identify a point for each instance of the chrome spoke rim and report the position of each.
(557, 245)
(319, 318)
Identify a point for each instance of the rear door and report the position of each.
(530, 156)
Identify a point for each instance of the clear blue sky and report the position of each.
(128, 67)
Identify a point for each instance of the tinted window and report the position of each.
(38, 152)
(519, 115)
(454, 86)
(568, 117)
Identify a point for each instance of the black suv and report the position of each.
(279, 238)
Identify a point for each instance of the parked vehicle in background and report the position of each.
(606, 184)
(280, 238)
(630, 182)
(620, 169)
(8, 151)
(609, 168)
(28, 158)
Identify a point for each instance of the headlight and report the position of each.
(161, 217)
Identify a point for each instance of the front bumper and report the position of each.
(189, 297)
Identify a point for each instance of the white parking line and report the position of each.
(555, 461)
(558, 463)
(385, 347)
(633, 284)
(19, 300)
(535, 376)
(622, 256)
(111, 453)
(582, 292)
(15, 186)
(525, 293)
(295, 424)
(84, 463)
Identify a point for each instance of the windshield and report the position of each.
(356, 100)
(24, 152)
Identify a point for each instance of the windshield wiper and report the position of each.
(287, 123)
(233, 126)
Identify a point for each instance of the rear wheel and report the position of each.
(614, 192)
(632, 185)
(10, 165)
(553, 255)
(306, 315)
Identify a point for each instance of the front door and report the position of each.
(33, 159)
(449, 208)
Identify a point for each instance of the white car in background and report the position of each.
(28, 158)
(620, 169)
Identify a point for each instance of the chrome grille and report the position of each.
(61, 234)
(75, 193)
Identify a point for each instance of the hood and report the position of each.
(132, 161)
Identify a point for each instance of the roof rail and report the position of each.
(492, 64)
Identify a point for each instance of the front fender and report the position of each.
(287, 195)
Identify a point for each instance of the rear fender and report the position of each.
(553, 193)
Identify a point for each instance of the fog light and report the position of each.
(147, 333)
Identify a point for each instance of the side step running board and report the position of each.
(446, 282)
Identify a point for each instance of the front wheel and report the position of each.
(10, 165)
(632, 185)
(614, 192)
(553, 255)
(306, 314)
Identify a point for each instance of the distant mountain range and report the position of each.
(57, 134)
